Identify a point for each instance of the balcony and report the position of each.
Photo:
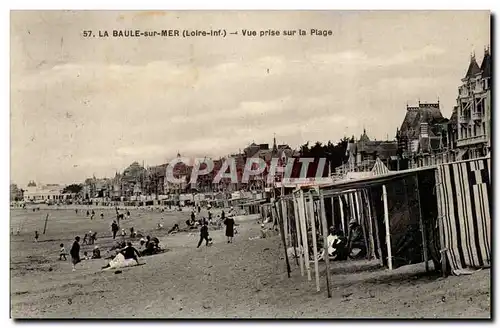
(472, 140)
(463, 119)
(477, 116)
(464, 94)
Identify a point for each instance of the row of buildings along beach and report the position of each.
(425, 137)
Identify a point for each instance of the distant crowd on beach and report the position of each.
(125, 250)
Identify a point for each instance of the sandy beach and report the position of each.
(246, 279)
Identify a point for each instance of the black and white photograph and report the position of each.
(232, 164)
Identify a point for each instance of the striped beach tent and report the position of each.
(379, 168)
(464, 197)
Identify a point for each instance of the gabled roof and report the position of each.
(383, 149)
(364, 137)
(486, 64)
(453, 119)
(425, 113)
(473, 68)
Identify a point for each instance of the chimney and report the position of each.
(424, 130)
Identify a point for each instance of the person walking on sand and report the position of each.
(229, 222)
(36, 236)
(75, 253)
(114, 228)
(203, 234)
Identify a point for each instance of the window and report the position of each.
(474, 131)
(484, 128)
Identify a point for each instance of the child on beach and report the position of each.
(62, 253)
(85, 256)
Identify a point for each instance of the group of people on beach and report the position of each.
(147, 246)
(228, 222)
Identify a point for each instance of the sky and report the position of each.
(92, 106)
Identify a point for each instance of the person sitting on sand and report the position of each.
(142, 242)
(85, 256)
(62, 253)
(130, 252)
(75, 253)
(149, 247)
(159, 226)
(156, 242)
(123, 233)
(96, 253)
(175, 228)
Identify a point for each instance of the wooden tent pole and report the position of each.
(377, 235)
(387, 231)
(333, 214)
(315, 245)
(362, 219)
(325, 242)
(440, 219)
(341, 214)
(302, 219)
(45, 224)
(282, 232)
(285, 219)
(298, 234)
(370, 224)
(422, 227)
(293, 233)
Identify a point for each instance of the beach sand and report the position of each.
(246, 279)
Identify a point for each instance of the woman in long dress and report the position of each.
(229, 222)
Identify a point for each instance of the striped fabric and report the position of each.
(379, 168)
(464, 197)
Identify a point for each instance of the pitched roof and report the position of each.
(425, 113)
(473, 68)
(383, 149)
(454, 118)
(486, 64)
(379, 168)
(364, 137)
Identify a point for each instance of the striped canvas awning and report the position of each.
(379, 168)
